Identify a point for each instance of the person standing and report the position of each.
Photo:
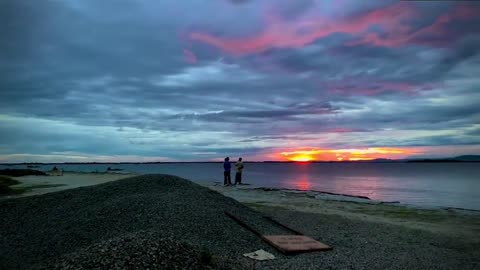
(238, 175)
(227, 181)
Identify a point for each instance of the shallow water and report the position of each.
(421, 184)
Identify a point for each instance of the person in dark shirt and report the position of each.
(226, 172)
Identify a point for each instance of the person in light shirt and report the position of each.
(238, 175)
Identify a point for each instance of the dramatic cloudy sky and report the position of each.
(149, 80)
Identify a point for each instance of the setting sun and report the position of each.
(345, 154)
(301, 158)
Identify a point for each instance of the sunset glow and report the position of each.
(347, 154)
(291, 80)
(301, 158)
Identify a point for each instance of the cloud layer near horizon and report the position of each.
(195, 80)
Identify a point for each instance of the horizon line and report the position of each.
(379, 160)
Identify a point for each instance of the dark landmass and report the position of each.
(166, 222)
(466, 158)
(434, 160)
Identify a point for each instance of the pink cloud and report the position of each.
(190, 57)
(393, 20)
(435, 34)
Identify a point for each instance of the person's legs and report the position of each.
(229, 177)
(237, 179)
(225, 176)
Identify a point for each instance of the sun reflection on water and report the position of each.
(302, 183)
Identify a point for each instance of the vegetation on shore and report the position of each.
(5, 183)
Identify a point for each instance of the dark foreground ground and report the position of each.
(165, 222)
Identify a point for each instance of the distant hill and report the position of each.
(475, 158)
(465, 158)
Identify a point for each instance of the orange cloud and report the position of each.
(347, 154)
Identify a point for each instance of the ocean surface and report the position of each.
(420, 184)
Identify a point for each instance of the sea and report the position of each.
(418, 184)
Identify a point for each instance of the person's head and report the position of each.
(239, 159)
(227, 159)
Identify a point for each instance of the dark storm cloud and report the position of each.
(256, 79)
(464, 49)
(426, 141)
(259, 116)
(473, 132)
(411, 64)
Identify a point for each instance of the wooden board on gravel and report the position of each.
(291, 244)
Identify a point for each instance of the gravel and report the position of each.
(140, 250)
(166, 222)
(366, 245)
(40, 229)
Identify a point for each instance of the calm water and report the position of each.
(422, 184)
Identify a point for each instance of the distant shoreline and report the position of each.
(74, 179)
(218, 162)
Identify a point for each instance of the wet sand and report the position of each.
(445, 221)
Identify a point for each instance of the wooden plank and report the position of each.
(293, 244)
(287, 244)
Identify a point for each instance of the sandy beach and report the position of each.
(40, 184)
(153, 220)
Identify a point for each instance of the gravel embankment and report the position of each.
(39, 229)
(165, 222)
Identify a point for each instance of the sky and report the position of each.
(196, 80)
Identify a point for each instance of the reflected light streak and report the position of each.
(302, 183)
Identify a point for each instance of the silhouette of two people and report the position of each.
(227, 166)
